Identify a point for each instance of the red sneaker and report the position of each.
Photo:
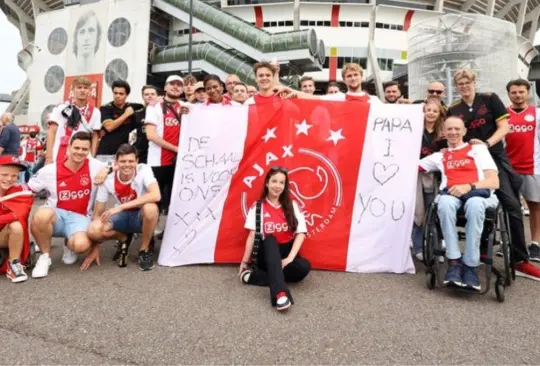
(283, 302)
(526, 269)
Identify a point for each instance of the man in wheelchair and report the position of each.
(469, 178)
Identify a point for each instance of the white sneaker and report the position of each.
(41, 268)
(69, 257)
(420, 256)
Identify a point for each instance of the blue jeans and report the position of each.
(127, 222)
(418, 231)
(475, 213)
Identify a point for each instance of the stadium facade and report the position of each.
(143, 41)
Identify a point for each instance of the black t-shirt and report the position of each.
(110, 141)
(141, 143)
(481, 118)
(430, 145)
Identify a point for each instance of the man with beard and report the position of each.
(522, 147)
(163, 131)
(392, 92)
(118, 120)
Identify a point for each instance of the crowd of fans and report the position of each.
(485, 152)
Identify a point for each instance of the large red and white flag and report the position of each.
(352, 170)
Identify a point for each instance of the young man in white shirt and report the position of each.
(136, 193)
(469, 178)
(67, 119)
(71, 184)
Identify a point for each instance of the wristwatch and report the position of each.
(487, 143)
(473, 187)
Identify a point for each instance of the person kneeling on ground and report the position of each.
(71, 184)
(469, 176)
(283, 232)
(16, 203)
(136, 192)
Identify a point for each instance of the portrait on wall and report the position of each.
(86, 53)
(96, 89)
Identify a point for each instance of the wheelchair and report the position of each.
(497, 229)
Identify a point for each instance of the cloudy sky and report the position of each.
(11, 76)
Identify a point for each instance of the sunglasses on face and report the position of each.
(279, 169)
(438, 92)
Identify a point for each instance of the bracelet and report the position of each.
(246, 262)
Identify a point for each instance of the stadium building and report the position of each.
(143, 41)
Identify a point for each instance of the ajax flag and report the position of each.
(352, 170)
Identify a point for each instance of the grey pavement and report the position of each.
(204, 315)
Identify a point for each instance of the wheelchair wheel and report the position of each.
(499, 290)
(431, 237)
(504, 231)
(430, 279)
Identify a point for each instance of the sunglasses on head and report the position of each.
(279, 169)
(438, 92)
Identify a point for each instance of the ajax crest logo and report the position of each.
(314, 183)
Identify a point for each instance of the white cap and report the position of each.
(199, 85)
(172, 78)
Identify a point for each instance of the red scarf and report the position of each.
(19, 205)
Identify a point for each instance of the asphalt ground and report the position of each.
(204, 315)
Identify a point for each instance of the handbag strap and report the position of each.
(169, 106)
(258, 234)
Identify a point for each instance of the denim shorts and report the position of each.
(127, 222)
(68, 223)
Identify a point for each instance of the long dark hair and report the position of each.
(284, 198)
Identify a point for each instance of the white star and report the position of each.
(335, 136)
(302, 128)
(270, 134)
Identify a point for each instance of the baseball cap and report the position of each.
(172, 78)
(12, 160)
(199, 85)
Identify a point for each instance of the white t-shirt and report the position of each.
(93, 124)
(464, 164)
(68, 190)
(126, 191)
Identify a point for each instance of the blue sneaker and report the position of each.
(470, 278)
(453, 275)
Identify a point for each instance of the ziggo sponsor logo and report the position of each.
(73, 195)
(270, 227)
(521, 128)
(454, 164)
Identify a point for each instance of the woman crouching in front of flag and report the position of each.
(277, 232)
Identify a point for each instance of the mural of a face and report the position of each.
(86, 42)
(87, 38)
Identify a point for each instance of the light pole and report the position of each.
(190, 41)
